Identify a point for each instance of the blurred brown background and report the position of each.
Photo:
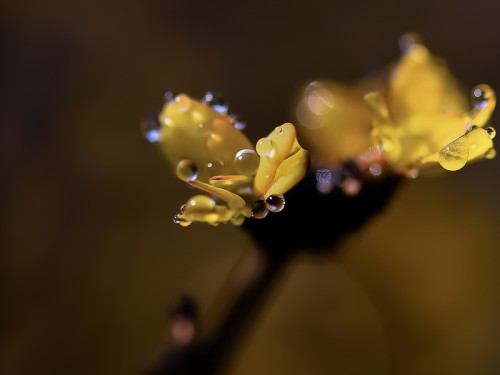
(90, 260)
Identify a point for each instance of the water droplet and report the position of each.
(412, 172)
(246, 162)
(181, 221)
(186, 170)
(279, 130)
(217, 102)
(408, 41)
(324, 181)
(454, 156)
(491, 132)
(214, 168)
(386, 144)
(259, 209)
(183, 209)
(266, 147)
(238, 220)
(351, 186)
(169, 96)
(182, 102)
(375, 169)
(150, 127)
(204, 129)
(275, 203)
(490, 154)
(200, 204)
(481, 95)
(240, 125)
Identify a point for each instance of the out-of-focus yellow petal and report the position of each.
(422, 85)
(334, 121)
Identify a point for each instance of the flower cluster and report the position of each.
(206, 147)
(414, 119)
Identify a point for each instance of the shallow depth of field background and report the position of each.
(90, 259)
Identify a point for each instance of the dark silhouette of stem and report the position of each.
(310, 222)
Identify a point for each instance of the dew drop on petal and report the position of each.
(351, 186)
(375, 169)
(214, 168)
(408, 41)
(237, 124)
(182, 102)
(183, 209)
(169, 96)
(481, 95)
(491, 132)
(150, 127)
(186, 170)
(490, 154)
(275, 203)
(217, 102)
(181, 221)
(204, 129)
(238, 220)
(412, 172)
(240, 125)
(324, 181)
(246, 161)
(266, 147)
(200, 204)
(454, 156)
(259, 209)
(386, 144)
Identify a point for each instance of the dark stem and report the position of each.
(312, 222)
(213, 355)
(245, 309)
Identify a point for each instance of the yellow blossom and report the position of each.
(209, 152)
(423, 119)
(417, 117)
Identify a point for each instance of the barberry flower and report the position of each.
(423, 118)
(206, 147)
(415, 118)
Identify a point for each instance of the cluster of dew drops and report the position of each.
(246, 161)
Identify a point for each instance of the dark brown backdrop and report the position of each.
(90, 259)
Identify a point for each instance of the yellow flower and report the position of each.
(210, 153)
(416, 118)
(423, 120)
